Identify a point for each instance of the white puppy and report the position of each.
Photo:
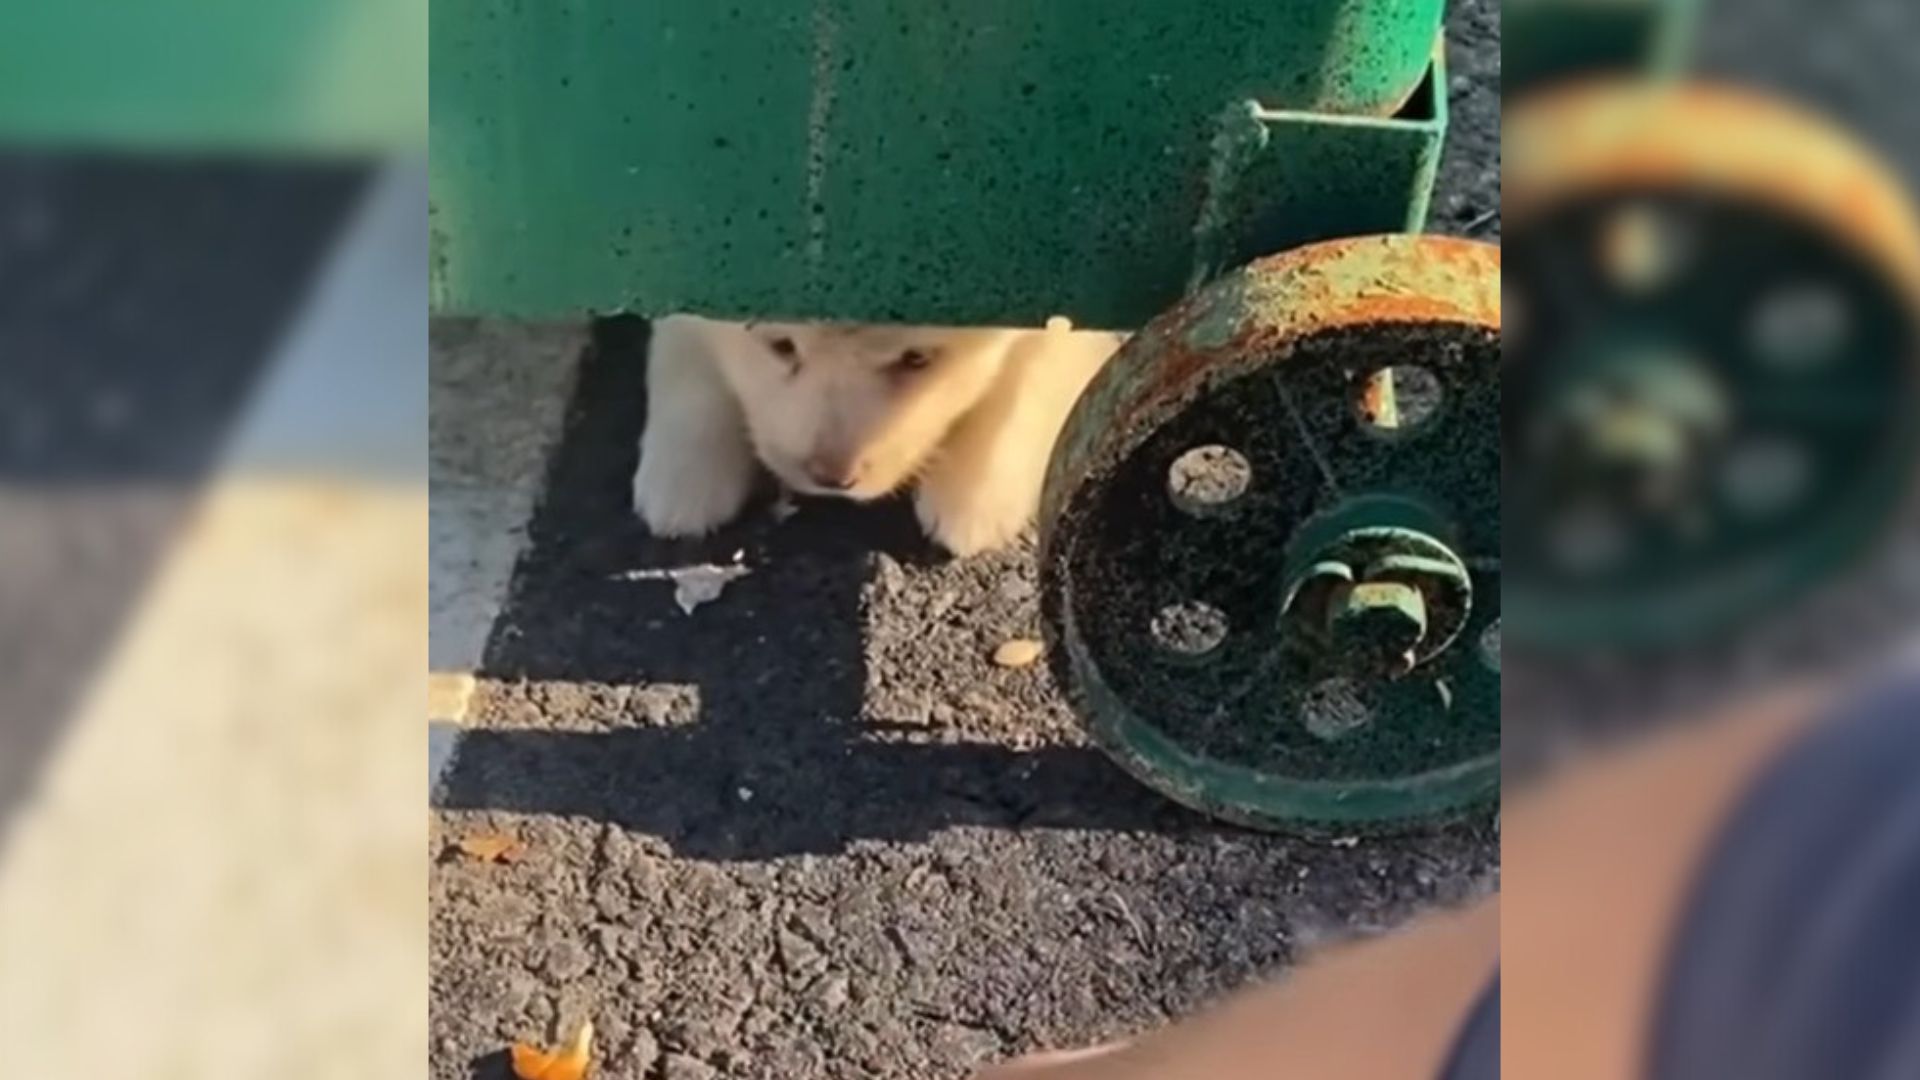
(967, 417)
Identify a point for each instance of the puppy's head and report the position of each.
(857, 411)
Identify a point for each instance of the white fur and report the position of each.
(970, 429)
(696, 467)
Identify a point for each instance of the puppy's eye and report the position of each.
(784, 348)
(913, 360)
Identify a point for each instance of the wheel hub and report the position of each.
(1379, 601)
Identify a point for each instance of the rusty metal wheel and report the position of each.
(1270, 541)
(1711, 402)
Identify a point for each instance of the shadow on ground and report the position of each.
(810, 831)
(737, 732)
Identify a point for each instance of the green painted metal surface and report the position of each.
(273, 76)
(1545, 40)
(1318, 176)
(1263, 720)
(986, 161)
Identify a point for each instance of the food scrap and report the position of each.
(1017, 653)
(492, 847)
(531, 1063)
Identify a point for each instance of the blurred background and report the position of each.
(1709, 514)
(1709, 384)
(212, 538)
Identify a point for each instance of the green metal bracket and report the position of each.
(1312, 176)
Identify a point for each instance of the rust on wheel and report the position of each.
(1270, 540)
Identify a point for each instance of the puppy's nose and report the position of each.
(832, 475)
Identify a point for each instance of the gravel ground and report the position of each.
(811, 830)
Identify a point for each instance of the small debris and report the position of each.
(784, 507)
(1018, 653)
(1344, 841)
(703, 584)
(531, 1063)
(492, 847)
(694, 585)
(1133, 924)
(744, 794)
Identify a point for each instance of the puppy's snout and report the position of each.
(832, 473)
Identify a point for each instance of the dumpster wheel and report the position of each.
(1711, 387)
(1270, 541)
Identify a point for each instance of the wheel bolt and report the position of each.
(1377, 626)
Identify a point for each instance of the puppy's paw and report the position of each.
(682, 494)
(968, 519)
